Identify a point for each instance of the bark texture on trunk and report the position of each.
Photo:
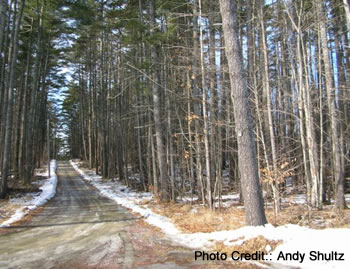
(161, 154)
(331, 100)
(247, 160)
(9, 116)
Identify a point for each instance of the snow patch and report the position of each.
(48, 190)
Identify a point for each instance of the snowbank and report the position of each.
(48, 190)
(315, 245)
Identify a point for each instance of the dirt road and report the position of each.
(78, 228)
(76, 225)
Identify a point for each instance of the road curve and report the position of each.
(77, 227)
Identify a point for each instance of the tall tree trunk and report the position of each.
(3, 11)
(247, 160)
(29, 158)
(215, 131)
(196, 106)
(313, 182)
(310, 130)
(266, 86)
(9, 117)
(205, 113)
(331, 100)
(24, 116)
(164, 177)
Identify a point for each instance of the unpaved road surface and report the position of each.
(77, 224)
(79, 228)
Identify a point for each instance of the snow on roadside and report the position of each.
(297, 240)
(48, 190)
(123, 196)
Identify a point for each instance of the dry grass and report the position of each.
(316, 219)
(195, 218)
(346, 226)
(6, 210)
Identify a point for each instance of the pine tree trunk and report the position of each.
(331, 99)
(3, 11)
(161, 155)
(30, 158)
(266, 86)
(9, 117)
(205, 114)
(247, 160)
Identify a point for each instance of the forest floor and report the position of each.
(294, 229)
